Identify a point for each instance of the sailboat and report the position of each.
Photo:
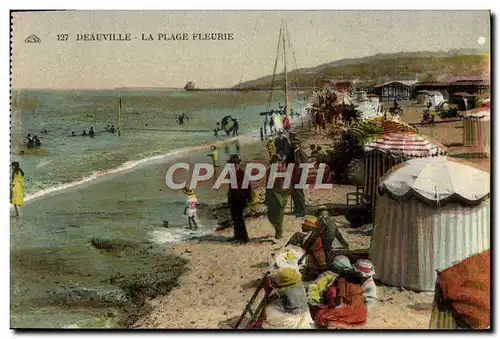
(283, 113)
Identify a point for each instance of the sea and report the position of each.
(90, 245)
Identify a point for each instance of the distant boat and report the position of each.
(190, 86)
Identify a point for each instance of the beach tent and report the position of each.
(436, 212)
(423, 97)
(477, 129)
(436, 98)
(391, 149)
(462, 295)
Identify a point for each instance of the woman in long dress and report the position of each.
(17, 186)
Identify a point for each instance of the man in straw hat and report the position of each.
(238, 198)
(190, 210)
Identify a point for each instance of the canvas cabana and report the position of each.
(477, 129)
(462, 295)
(436, 211)
(391, 149)
(423, 97)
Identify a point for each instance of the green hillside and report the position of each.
(372, 69)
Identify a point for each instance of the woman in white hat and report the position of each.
(190, 210)
(365, 269)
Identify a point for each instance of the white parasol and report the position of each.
(436, 180)
(483, 113)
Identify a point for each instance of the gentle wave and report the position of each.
(246, 138)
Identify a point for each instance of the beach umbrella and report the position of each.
(477, 129)
(392, 126)
(436, 212)
(391, 149)
(405, 144)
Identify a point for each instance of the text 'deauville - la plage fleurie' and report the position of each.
(103, 37)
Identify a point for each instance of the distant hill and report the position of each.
(428, 65)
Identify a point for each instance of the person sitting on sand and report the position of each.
(84, 134)
(288, 308)
(190, 209)
(214, 155)
(112, 129)
(73, 134)
(331, 233)
(91, 132)
(348, 297)
(17, 186)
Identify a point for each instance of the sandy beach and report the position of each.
(216, 286)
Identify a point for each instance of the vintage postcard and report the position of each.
(250, 169)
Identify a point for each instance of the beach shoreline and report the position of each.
(252, 136)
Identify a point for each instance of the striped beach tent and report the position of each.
(462, 295)
(477, 129)
(391, 149)
(436, 212)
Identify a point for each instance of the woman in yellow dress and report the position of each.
(17, 186)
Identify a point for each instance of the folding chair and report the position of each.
(314, 234)
(256, 315)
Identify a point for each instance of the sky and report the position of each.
(316, 37)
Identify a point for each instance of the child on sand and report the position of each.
(214, 155)
(190, 210)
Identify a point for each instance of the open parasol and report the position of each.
(436, 180)
(392, 126)
(483, 113)
(405, 144)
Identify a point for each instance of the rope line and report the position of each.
(269, 101)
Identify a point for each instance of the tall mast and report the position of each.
(287, 104)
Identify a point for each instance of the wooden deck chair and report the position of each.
(314, 234)
(255, 316)
(356, 197)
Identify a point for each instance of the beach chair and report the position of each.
(256, 316)
(355, 198)
(314, 233)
